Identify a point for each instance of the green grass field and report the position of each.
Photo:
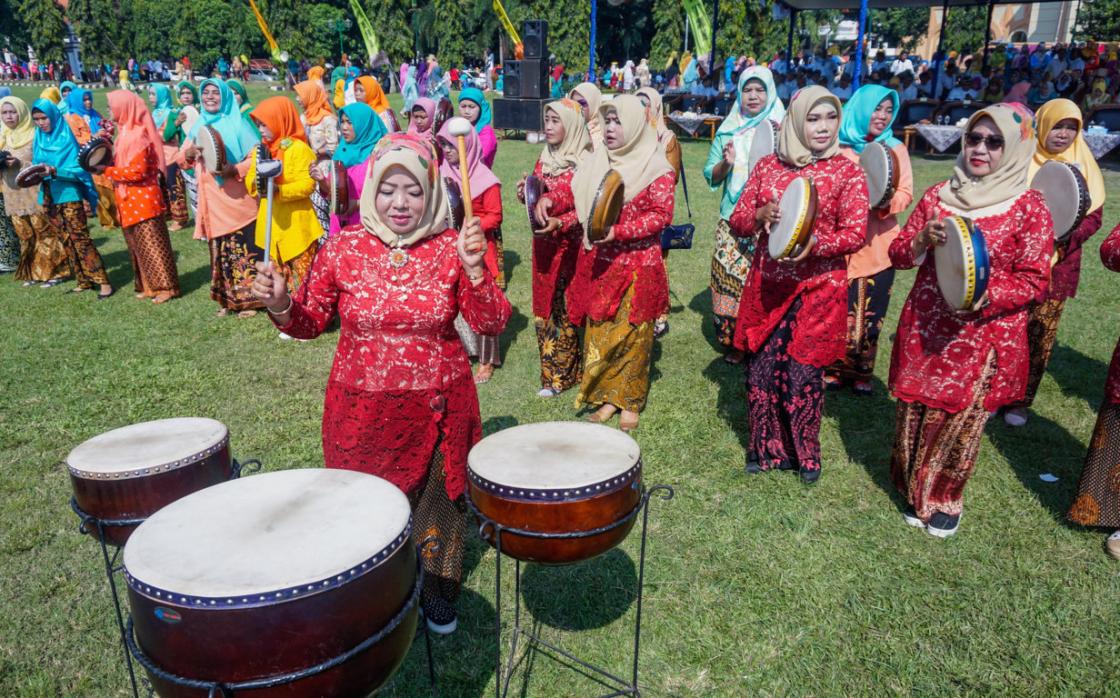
(753, 587)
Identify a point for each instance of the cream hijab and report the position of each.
(640, 160)
(566, 156)
(594, 99)
(792, 148)
(1009, 179)
(657, 114)
(416, 157)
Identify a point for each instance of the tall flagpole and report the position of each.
(591, 50)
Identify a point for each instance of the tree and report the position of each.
(964, 32)
(1098, 20)
(45, 26)
(104, 27)
(453, 44)
(569, 30)
(14, 34)
(668, 32)
(901, 27)
(216, 28)
(390, 20)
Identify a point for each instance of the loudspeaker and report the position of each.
(526, 79)
(534, 38)
(519, 114)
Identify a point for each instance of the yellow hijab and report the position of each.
(416, 156)
(24, 132)
(1078, 153)
(576, 144)
(51, 93)
(792, 148)
(1009, 179)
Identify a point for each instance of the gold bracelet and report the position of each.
(285, 310)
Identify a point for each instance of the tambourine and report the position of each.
(962, 263)
(455, 210)
(765, 142)
(32, 175)
(1066, 193)
(606, 206)
(211, 148)
(880, 166)
(96, 154)
(798, 208)
(534, 189)
(444, 111)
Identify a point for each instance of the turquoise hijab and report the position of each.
(59, 149)
(857, 117)
(236, 133)
(163, 104)
(66, 84)
(76, 104)
(475, 95)
(369, 129)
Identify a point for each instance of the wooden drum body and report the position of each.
(256, 583)
(881, 168)
(609, 198)
(130, 473)
(567, 478)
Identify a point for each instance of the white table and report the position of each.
(940, 137)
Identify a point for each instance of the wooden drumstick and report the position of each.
(460, 127)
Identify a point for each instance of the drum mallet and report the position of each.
(269, 170)
(460, 127)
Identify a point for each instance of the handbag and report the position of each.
(679, 237)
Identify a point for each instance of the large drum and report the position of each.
(798, 207)
(1066, 193)
(567, 478)
(962, 263)
(128, 474)
(275, 575)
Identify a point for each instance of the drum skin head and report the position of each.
(213, 149)
(880, 166)
(534, 189)
(32, 175)
(765, 142)
(147, 445)
(607, 206)
(962, 263)
(798, 207)
(1066, 193)
(96, 153)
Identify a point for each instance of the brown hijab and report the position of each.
(792, 147)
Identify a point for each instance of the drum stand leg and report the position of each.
(504, 671)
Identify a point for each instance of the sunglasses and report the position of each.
(993, 142)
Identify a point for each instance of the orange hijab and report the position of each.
(314, 98)
(375, 96)
(279, 114)
(316, 72)
(135, 127)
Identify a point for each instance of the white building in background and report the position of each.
(1050, 22)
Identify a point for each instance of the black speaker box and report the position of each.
(519, 114)
(534, 38)
(526, 79)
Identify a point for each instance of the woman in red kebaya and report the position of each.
(556, 245)
(400, 403)
(793, 312)
(486, 202)
(950, 368)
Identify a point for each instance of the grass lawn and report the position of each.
(754, 587)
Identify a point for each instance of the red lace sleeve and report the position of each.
(560, 194)
(316, 300)
(901, 250)
(1011, 289)
(655, 215)
(1086, 230)
(850, 232)
(1110, 250)
(484, 307)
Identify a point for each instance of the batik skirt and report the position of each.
(616, 360)
(730, 263)
(233, 260)
(1098, 493)
(868, 301)
(153, 260)
(1042, 332)
(43, 249)
(84, 258)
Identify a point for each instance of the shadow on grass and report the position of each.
(518, 322)
(1077, 374)
(731, 403)
(866, 426)
(1042, 446)
(512, 262)
(195, 279)
(587, 595)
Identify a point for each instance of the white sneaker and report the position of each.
(445, 629)
(1015, 418)
(547, 392)
(911, 518)
(285, 336)
(1112, 545)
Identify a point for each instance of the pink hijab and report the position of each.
(429, 107)
(481, 177)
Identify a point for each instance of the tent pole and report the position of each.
(859, 44)
(789, 38)
(938, 55)
(988, 34)
(591, 51)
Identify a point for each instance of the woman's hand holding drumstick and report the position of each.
(270, 288)
(471, 247)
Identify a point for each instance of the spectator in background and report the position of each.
(909, 89)
(843, 89)
(902, 64)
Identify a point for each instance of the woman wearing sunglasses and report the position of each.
(951, 368)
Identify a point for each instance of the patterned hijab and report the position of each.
(416, 156)
(475, 95)
(481, 177)
(1009, 179)
(314, 98)
(656, 114)
(576, 145)
(369, 129)
(1077, 153)
(742, 126)
(137, 131)
(857, 117)
(163, 103)
(24, 132)
(236, 133)
(281, 117)
(792, 148)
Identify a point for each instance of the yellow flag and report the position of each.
(273, 47)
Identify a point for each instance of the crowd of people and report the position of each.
(418, 290)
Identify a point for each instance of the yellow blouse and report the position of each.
(294, 223)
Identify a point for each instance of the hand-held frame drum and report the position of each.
(534, 190)
(32, 175)
(607, 206)
(1066, 193)
(96, 154)
(454, 197)
(765, 142)
(798, 207)
(962, 263)
(460, 127)
(211, 148)
(561, 491)
(292, 583)
(880, 166)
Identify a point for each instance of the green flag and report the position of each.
(373, 46)
(701, 22)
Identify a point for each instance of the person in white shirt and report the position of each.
(902, 64)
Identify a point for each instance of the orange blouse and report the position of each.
(136, 185)
(882, 223)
